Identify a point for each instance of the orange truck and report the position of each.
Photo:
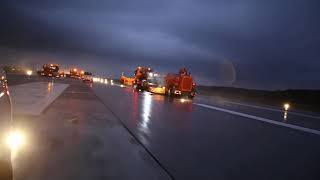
(181, 84)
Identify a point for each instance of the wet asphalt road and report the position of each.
(194, 142)
(75, 137)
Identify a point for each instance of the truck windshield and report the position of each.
(158, 80)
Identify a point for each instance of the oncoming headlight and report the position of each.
(15, 140)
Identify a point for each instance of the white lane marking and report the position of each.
(1, 94)
(33, 98)
(312, 131)
(276, 110)
(76, 92)
(271, 109)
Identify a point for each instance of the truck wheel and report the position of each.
(192, 94)
(166, 92)
(139, 88)
(171, 92)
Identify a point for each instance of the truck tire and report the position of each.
(171, 91)
(191, 95)
(166, 92)
(139, 87)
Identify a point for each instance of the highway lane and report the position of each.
(69, 134)
(194, 142)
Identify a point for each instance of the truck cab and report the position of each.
(181, 84)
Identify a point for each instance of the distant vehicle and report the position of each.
(13, 69)
(50, 70)
(87, 77)
(5, 129)
(181, 84)
(76, 73)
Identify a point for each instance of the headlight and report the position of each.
(286, 106)
(15, 140)
(29, 72)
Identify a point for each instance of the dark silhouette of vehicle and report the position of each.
(50, 70)
(5, 127)
(87, 77)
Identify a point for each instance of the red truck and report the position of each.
(181, 84)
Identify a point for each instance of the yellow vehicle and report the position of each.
(156, 84)
(157, 90)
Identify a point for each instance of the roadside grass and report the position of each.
(308, 100)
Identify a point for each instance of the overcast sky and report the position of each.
(265, 44)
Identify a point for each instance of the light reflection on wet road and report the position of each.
(198, 143)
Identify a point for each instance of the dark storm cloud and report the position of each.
(271, 44)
